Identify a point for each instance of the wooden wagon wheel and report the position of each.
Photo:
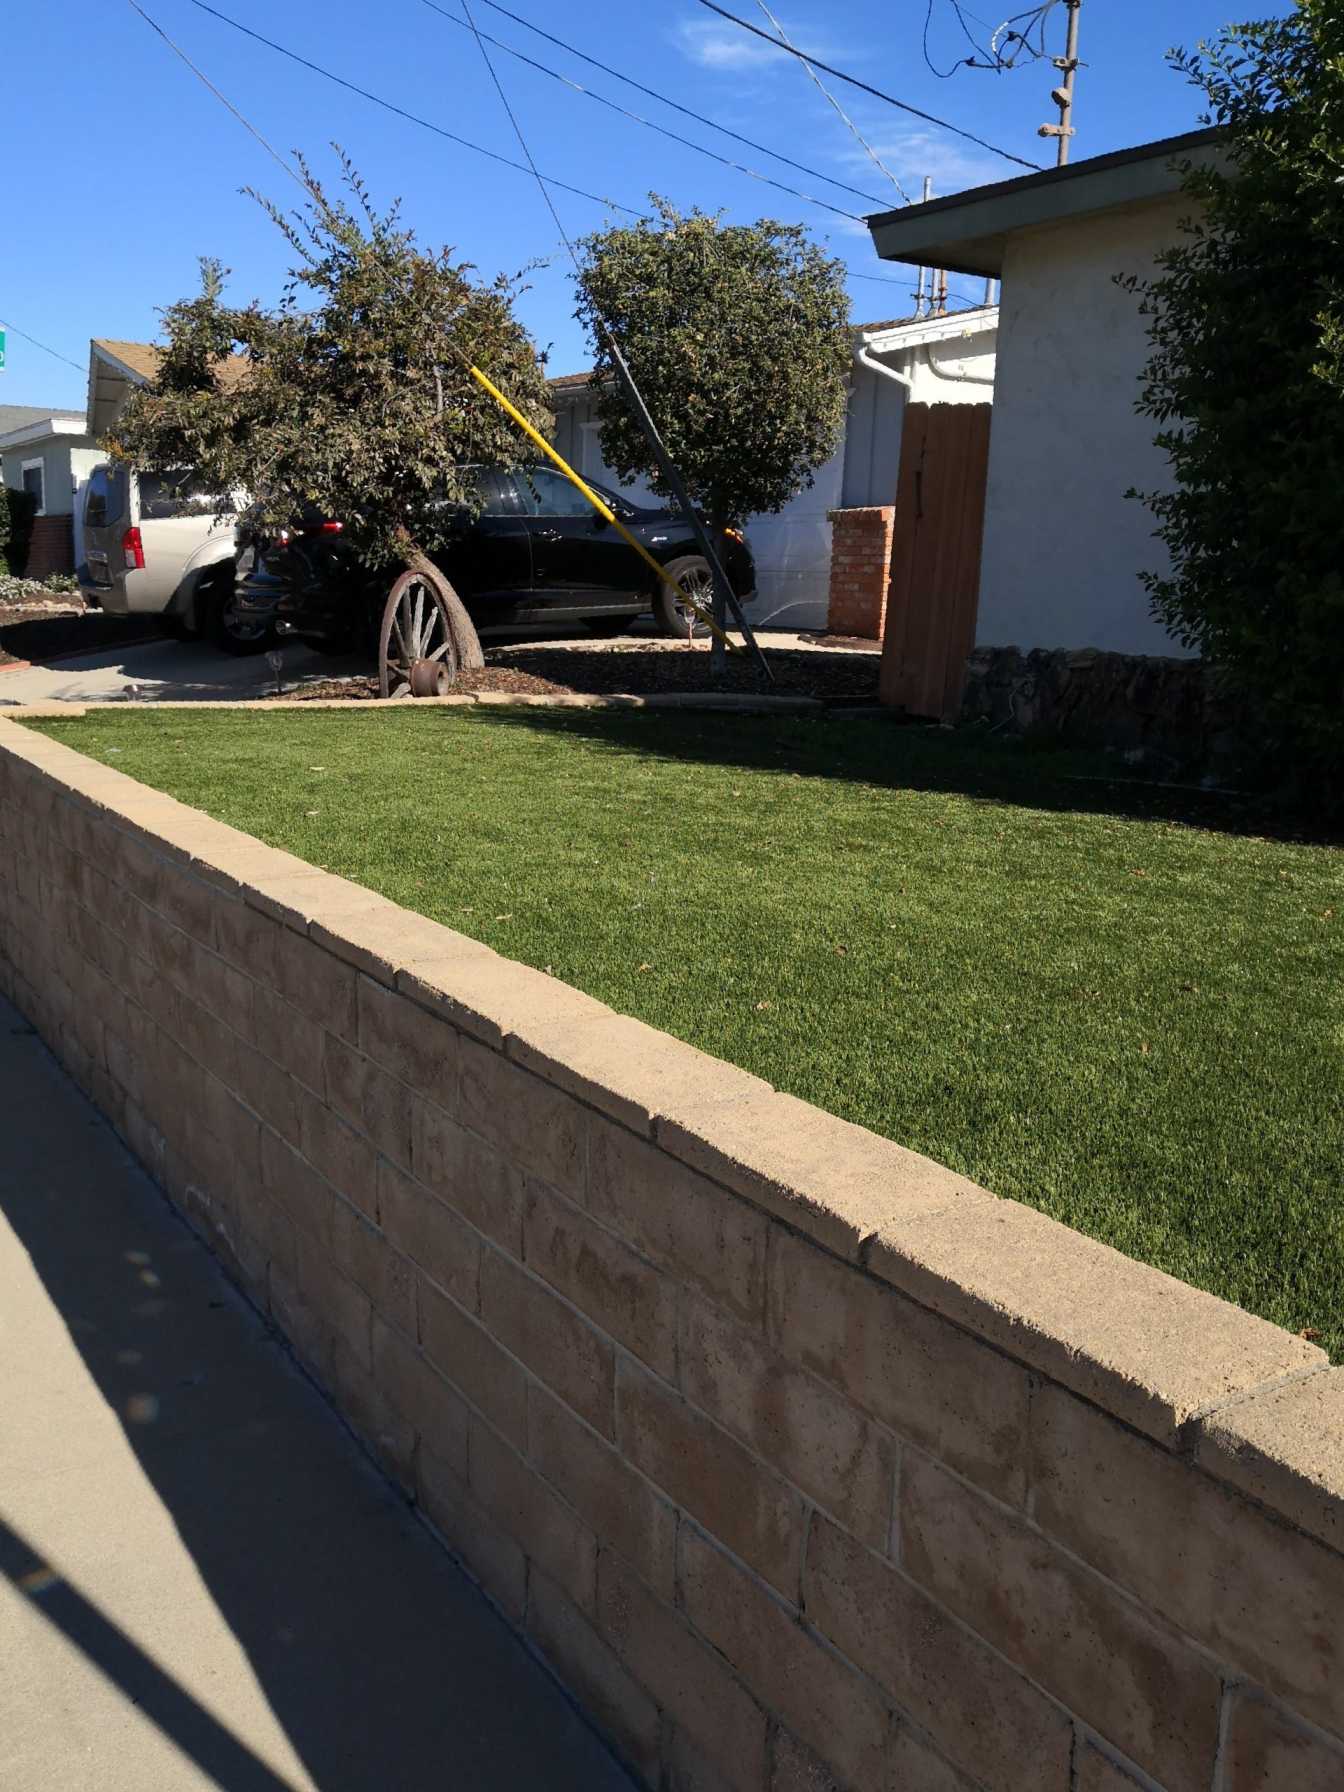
(417, 648)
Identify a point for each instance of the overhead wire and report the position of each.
(865, 87)
(723, 591)
(387, 105)
(943, 74)
(826, 93)
(653, 93)
(649, 123)
(307, 186)
(14, 330)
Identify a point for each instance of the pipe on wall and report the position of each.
(964, 378)
(865, 358)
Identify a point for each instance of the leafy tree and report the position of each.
(1246, 378)
(353, 394)
(738, 338)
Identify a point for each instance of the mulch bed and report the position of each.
(642, 670)
(44, 629)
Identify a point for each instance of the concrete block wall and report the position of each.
(806, 1463)
(860, 570)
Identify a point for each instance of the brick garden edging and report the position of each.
(805, 1462)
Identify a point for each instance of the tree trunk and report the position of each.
(718, 653)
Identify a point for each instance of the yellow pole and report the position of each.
(601, 507)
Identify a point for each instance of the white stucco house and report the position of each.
(47, 453)
(929, 359)
(1063, 546)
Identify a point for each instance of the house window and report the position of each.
(33, 476)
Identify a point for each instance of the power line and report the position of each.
(16, 331)
(223, 99)
(725, 598)
(827, 95)
(313, 192)
(649, 124)
(864, 86)
(388, 106)
(653, 94)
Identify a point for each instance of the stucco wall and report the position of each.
(806, 1463)
(66, 462)
(1063, 545)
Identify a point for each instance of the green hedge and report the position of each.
(17, 510)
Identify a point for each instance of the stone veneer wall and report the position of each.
(860, 570)
(1171, 714)
(805, 1462)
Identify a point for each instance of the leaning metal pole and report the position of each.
(725, 598)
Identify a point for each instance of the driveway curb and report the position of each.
(730, 703)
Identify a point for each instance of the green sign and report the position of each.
(2, 351)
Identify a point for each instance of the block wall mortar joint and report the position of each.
(1194, 1425)
(1230, 1688)
(894, 1545)
(804, 1533)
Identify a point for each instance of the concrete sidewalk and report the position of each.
(203, 1581)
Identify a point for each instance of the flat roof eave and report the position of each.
(968, 232)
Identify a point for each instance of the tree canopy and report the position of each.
(353, 393)
(737, 336)
(1246, 378)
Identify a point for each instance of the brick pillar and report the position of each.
(52, 548)
(860, 569)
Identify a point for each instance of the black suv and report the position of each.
(535, 551)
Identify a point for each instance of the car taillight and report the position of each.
(330, 528)
(134, 550)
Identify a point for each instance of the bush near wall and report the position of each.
(18, 510)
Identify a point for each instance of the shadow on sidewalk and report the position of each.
(383, 1664)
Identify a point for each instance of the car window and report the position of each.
(178, 492)
(105, 496)
(545, 493)
(491, 493)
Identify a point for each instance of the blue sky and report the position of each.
(136, 170)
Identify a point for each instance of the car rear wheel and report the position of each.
(214, 604)
(674, 615)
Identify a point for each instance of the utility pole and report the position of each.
(1063, 94)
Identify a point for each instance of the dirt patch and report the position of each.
(848, 643)
(642, 669)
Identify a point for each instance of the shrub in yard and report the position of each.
(17, 511)
(738, 338)
(356, 396)
(1246, 379)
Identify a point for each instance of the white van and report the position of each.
(157, 544)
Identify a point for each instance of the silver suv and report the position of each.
(158, 544)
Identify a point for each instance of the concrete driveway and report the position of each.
(152, 671)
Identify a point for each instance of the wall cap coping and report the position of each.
(1284, 1447)
(1149, 1349)
(1155, 1353)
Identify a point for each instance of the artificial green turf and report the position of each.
(1131, 1022)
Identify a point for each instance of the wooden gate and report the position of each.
(935, 557)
